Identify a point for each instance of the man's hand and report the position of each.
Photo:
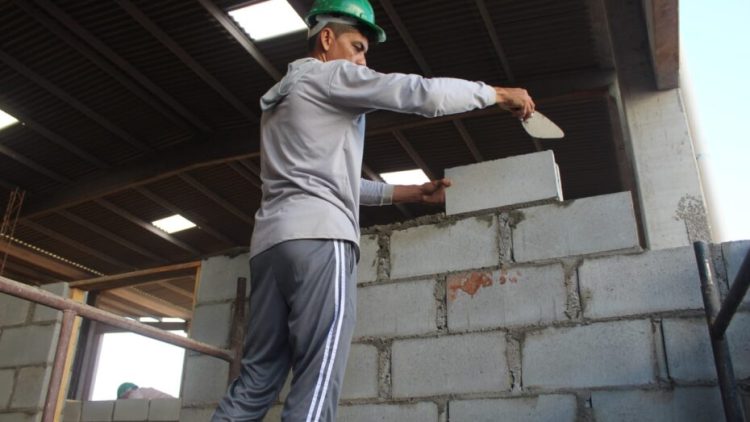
(515, 100)
(432, 193)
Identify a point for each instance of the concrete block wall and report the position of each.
(205, 378)
(162, 410)
(28, 338)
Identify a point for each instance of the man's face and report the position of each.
(351, 46)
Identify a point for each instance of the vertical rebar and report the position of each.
(58, 367)
(734, 298)
(723, 360)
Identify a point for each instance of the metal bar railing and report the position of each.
(733, 300)
(722, 358)
(71, 309)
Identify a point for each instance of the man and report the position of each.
(128, 390)
(304, 245)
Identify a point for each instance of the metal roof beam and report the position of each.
(73, 102)
(240, 36)
(223, 146)
(111, 236)
(406, 145)
(146, 226)
(492, 32)
(231, 208)
(186, 58)
(154, 99)
(123, 64)
(246, 174)
(194, 217)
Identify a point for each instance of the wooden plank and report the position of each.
(78, 296)
(662, 20)
(157, 305)
(47, 263)
(136, 277)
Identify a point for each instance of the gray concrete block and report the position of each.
(164, 410)
(7, 377)
(396, 309)
(734, 253)
(218, 277)
(97, 411)
(549, 408)
(689, 353)
(43, 313)
(72, 411)
(274, 414)
(458, 364)
(584, 226)
(597, 355)
(205, 380)
(31, 387)
(13, 311)
(506, 182)
(437, 248)
(28, 345)
(131, 410)
(653, 281)
(422, 412)
(212, 324)
(367, 269)
(20, 417)
(196, 414)
(361, 379)
(700, 404)
(515, 296)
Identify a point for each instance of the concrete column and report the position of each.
(658, 136)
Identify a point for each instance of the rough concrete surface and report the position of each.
(584, 226)
(546, 408)
(422, 411)
(28, 345)
(652, 281)
(367, 269)
(449, 246)
(452, 364)
(396, 309)
(596, 355)
(501, 183)
(131, 410)
(218, 277)
(508, 297)
(361, 380)
(699, 404)
(30, 388)
(211, 323)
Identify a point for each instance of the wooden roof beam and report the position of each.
(132, 278)
(47, 263)
(662, 21)
(187, 59)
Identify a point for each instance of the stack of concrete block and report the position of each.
(205, 378)
(28, 338)
(162, 410)
(530, 312)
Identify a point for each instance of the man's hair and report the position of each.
(338, 30)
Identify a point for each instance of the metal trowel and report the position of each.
(538, 126)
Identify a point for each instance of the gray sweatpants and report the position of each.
(302, 313)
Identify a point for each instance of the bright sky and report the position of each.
(128, 357)
(716, 57)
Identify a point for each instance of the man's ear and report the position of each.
(327, 37)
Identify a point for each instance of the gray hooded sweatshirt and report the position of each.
(312, 140)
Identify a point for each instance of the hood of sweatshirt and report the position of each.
(276, 94)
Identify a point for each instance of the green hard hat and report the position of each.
(360, 10)
(124, 388)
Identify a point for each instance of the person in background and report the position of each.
(128, 390)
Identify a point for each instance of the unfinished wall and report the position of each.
(28, 337)
(163, 410)
(542, 313)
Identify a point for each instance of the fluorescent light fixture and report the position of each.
(6, 120)
(406, 177)
(172, 319)
(268, 19)
(174, 224)
(147, 319)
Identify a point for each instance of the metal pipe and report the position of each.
(23, 291)
(732, 301)
(723, 360)
(58, 367)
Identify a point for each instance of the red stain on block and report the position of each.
(468, 282)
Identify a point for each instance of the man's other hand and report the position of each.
(432, 193)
